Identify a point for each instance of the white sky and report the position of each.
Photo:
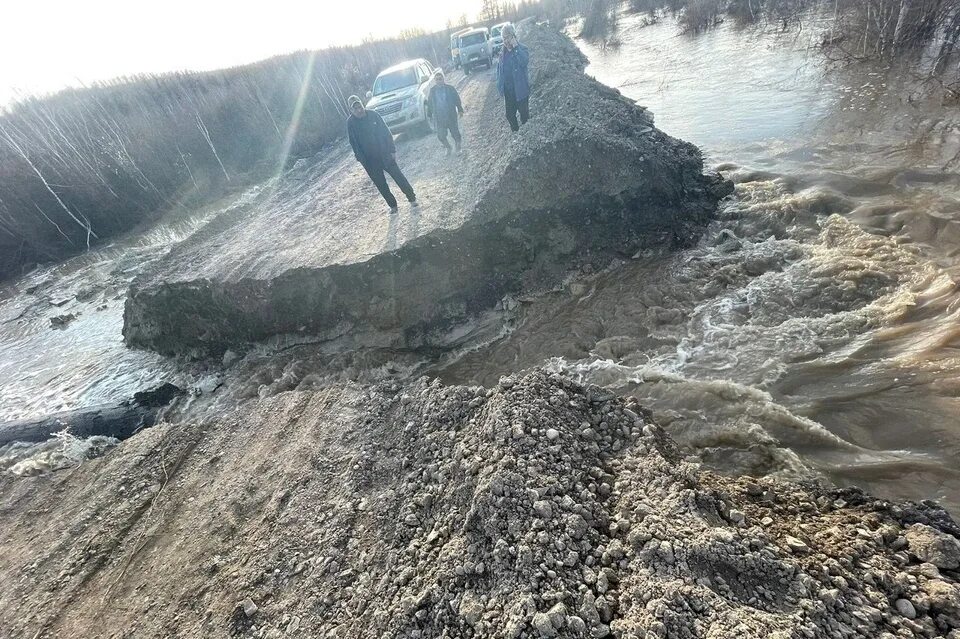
(46, 45)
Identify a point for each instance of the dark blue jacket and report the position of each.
(370, 138)
(512, 72)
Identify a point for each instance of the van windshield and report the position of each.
(394, 80)
(471, 39)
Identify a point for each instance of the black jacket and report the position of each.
(370, 138)
(451, 103)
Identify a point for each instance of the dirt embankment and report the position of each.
(587, 180)
(538, 508)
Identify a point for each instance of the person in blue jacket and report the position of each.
(512, 79)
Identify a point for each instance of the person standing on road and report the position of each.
(373, 147)
(444, 106)
(512, 80)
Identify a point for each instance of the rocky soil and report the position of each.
(537, 508)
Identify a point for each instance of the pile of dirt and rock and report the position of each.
(586, 181)
(538, 508)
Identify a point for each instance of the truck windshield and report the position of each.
(394, 80)
(471, 39)
(495, 32)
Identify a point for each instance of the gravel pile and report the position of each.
(544, 509)
(538, 508)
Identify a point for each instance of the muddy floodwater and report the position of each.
(814, 329)
(61, 345)
(812, 332)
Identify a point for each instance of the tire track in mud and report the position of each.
(110, 549)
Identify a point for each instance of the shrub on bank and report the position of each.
(869, 29)
(698, 15)
(599, 20)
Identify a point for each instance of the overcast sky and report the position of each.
(46, 45)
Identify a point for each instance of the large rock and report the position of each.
(930, 545)
(111, 420)
(587, 180)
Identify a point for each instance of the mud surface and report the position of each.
(588, 179)
(537, 508)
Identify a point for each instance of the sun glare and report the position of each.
(61, 44)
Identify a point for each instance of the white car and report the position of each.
(400, 95)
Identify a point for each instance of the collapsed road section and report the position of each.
(586, 180)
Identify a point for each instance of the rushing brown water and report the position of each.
(811, 333)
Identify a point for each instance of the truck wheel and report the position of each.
(466, 69)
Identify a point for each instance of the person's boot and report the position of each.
(457, 147)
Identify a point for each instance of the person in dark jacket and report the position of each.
(444, 106)
(373, 147)
(512, 80)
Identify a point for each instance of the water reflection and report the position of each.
(85, 362)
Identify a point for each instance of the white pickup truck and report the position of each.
(400, 95)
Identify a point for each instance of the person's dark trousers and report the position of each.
(513, 107)
(453, 128)
(376, 173)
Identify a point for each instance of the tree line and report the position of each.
(85, 164)
(860, 29)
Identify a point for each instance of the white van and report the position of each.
(400, 95)
(475, 49)
(455, 46)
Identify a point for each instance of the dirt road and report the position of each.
(330, 213)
